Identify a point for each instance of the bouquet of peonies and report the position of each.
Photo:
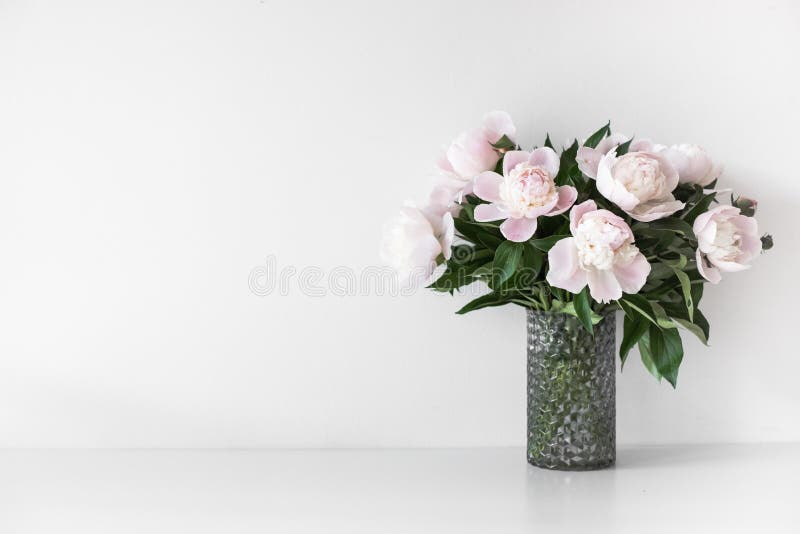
(610, 223)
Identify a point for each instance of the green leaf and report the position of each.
(485, 301)
(640, 304)
(569, 309)
(570, 152)
(697, 293)
(504, 143)
(677, 267)
(546, 243)
(701, 321)
(532, 260)
(624, 147)
(567, 163)
(633, 329)
(469, 231)
(484, 271)
(595, 138)
(686, 287)
(547, 142)
(693, 328)
(662, 319)
(701, 207)
(488, 240)
(659, 271)
(506, 260)
(527, 272)
(647, 357)
(698, 327)
(583, 309)
(673, 224)
(666, 351)
(464, 261)
(468, 212)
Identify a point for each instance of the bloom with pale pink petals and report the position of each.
(526, 191)
(414, 240)
(588, 158)
(641, 183)
(693, 164)
(600, 253)
(472, 152)
(727, 241)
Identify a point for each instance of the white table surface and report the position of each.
(676, 489)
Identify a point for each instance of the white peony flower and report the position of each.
(693, 164)
(641, 183)
(414, 240)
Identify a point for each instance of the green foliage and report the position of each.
(568, 166)
(485, 301)
(506, 259)
(666, 352)
(583, 309)
(633, 328)
(595, 138)
(623, 148)
(546, 243)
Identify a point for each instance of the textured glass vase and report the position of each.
(571, 392)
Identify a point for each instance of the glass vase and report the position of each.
(571, 392)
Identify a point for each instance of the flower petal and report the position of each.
(668, 169)
(588, 159)
(448, 234)
(533, 212)
(705, 236)
(565, 272)
(489, 212)
(578, 211)
(518, 230)
(547, 158)
(655, 209)
(512, 159)
(632, 276)
(496, 124)
(646, 145)
(566, 198)
(487, 186)
(727, 266)
(708, 272)
(603, 285)
(611, 188)
(470, 154)
(612, 141)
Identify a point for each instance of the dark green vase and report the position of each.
(571, 392)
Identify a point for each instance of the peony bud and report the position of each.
(747, 206)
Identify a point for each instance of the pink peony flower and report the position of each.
(526, 191)
(727, 241)
(600, 253)
(413, 241)
(693, 164)
(471, 153)
(589, 158)
(641, 183)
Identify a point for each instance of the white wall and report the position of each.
(153, 153)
